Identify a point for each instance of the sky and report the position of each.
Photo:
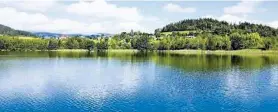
(99, 16)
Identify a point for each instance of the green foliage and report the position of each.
(102, 44)
(5, 30)
(90, 45)
(218, 27)
(270, 43)
(53, 44)
(14, 43)
(237, 41)
(142, 43)
(253, 40)
(72, 43)
(164, 44)
(19, 43)
(205, 34)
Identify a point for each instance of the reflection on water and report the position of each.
(72, 81)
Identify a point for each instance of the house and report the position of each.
(190, 36)
(63, 37)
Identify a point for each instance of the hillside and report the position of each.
(55, 35)
(219, 27)
(5, 30)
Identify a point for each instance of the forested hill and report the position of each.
(5, 30)
(219, 27)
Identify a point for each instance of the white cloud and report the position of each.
(40, 22)
(229, 18)
(232, 18)
(100, 16)
(273, 24)
(243, 7)
(101, 9)
(237, 19)
(239, 13)
(176, 8)
(31, 5)
(76, 17)
(19, 19)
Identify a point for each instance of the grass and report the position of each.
(231, 52)
(123, 50)
(23, 37)
(250, 52)
(71, 50)
(109, 50)
(181, 32)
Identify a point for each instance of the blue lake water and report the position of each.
(82, 82)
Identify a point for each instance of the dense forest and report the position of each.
(219, 27)
(203, 34)
(5, 30)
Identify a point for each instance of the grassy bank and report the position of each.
(185, 51)
(231, 52)
(85, 50)
(70, 50)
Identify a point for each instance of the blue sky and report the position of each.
(116, 16)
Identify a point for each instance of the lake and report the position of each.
(82, 82)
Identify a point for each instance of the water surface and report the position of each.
(72, 81)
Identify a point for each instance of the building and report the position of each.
(63, 37)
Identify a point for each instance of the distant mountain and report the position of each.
(47, 34)
(5, 30)
(56, 35)
(101, 34)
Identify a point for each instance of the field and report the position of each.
(23, 37)
(181, 32)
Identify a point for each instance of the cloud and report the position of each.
(15, 18)
(75, 17)
(243, 7)
(237, 19)
(101, 9)
(239, 13)
(176, 8)
(231, 18)
(273, 24)
(101, 16)
(40, 22)
(31, 5)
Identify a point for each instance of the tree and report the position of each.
(103, 44)
(219, 27)
(237, 41)
(71, 43)
(226, 43)
(53, 44)
(142, 43)
(253, 40)
(157, 32)
(2, 43)
(90, 45)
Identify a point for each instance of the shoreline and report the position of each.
(231, 52)
(183, 51)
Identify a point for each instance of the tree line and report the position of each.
(144, 41)
(204, 34)
(219, 27)
(20, 44)
(203, 41)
